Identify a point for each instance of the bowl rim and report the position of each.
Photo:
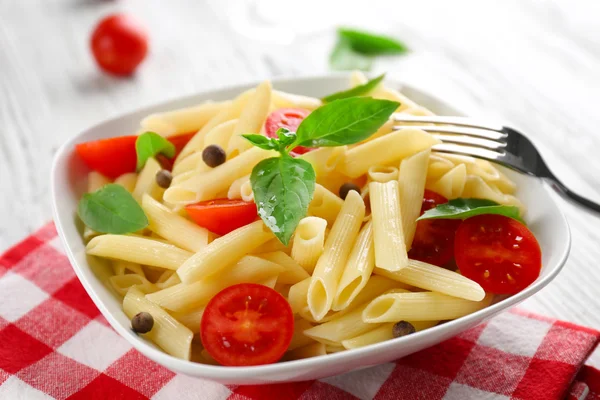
(221, 372)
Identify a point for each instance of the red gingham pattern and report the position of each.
(56, 345)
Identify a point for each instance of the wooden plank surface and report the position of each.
(533, 64)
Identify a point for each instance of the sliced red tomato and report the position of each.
(497, 252)
(247, 324)
(116, 156)
(289, 118)
(434, 238)
(111, 157)
(119, 44)
(222, 216)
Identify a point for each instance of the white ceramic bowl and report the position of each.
(544, 217)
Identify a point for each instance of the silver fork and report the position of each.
(496, 143)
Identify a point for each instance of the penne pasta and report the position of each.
(138, 249)
(411, 186)
(270, 246)
(184, 120)
(228, 113)
(190, 320)
(292, 271)
(388, 235)
(289, 100)
(382, 333)
(122, 283)
(330, 265)
(299, 339)
(173, 227)
(297, 295)
(437, 279)
(420, 306)
(184, 297)
(382, 174)
(325, 205)
(167, 332)
(452, 183)
(311, 350)
(224, 251)
(207, 185)
(345, 327)
(146, 181)
(121, 267)
(235, 189)
(387, 149)
(308, 243)
(246, 191)
(251, 119)
(358, 269)
(128, 181)
(326, 159)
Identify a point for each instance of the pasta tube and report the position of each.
(330, 265)
(308, 242)
(358, 269)
(173, 227)
(411, 185)
(437, 279)
(167, 332)
(388, 234)
(224, 251)
(420, 306)
(138, 249)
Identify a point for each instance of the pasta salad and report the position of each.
(275, 226)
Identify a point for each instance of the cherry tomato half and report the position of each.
(289, 118)
(119, 44)
(111, 157)
(116, 156)
(222, 216)
(434, 238)
(247, 324)
(497, 252)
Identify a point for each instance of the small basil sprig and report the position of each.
(356, 49)
(150, 144)
(284, 186)
(355, 91)
(466, 208)
(111, 209)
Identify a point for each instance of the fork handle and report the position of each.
(572, 196)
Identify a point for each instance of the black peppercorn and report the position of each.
(346, 188)
(213, 155)
(142, 322)
(164, 178)
(402, 328)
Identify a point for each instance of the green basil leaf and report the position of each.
(355, 91)
(283, 188)
(344, 121)
(466, 208)
(371, 44)
(286, 137)
(344, 58)
(262, 141)
(149, 144)
(111, 209)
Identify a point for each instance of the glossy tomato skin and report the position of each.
(119, 44)
(497, 252)
(116, 156)
(110, 157)
(222, 216)
(434, 238)
(247, 324)
(289, 118)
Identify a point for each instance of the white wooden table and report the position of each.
(533, 63)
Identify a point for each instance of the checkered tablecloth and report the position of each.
(55, 344)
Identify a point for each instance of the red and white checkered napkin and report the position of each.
(55, 344)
